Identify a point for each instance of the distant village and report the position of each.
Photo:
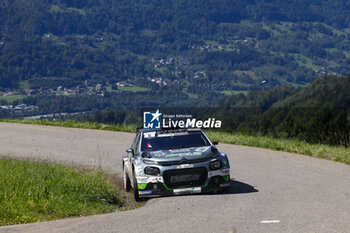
(19, 108)
(86, 88)
(176, 65)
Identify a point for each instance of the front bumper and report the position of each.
(216, 180)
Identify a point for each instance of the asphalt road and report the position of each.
(271, 191)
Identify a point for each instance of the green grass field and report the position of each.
(34, 192)
(335, 153)
(160, 69)
(297, 84)
(233, 92)
(246, 72)
(11, 98)
(131, 89)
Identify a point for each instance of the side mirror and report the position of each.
(130, 151)
(215, 143)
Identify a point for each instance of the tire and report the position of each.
(126, 181)
(136, 190)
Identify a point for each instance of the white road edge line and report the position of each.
(270, 221)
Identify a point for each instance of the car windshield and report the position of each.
(153, 141)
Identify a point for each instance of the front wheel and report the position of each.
(136, 190)
(126, 180)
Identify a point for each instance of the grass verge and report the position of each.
(32, 192)
(35, 191)
(335, 153)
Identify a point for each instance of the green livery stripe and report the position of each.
(166, 187)
(206, 183)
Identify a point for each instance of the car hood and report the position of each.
(178, 154)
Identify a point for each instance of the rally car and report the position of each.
(177, 161)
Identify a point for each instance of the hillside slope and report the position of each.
(220, 45)
(316, 114)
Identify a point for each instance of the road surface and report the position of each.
(271, 191)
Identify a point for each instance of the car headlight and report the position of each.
(153, 171)
(215, 165)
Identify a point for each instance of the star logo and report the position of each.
(151, 120)
(156, 115)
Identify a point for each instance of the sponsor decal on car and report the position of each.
(146, 192)
(172, 134)
(184, 178)
(214, 173)
(154, 180)
(187, 190)
(142, 179)
(141, 186)
(180, 154)
(149, 134)
(179, 150)
(185, 166)
(184, 154)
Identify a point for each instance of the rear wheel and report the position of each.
(126, 180)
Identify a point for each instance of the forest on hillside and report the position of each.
(201, 44)
(315, 114)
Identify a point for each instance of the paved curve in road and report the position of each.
(271, 191)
